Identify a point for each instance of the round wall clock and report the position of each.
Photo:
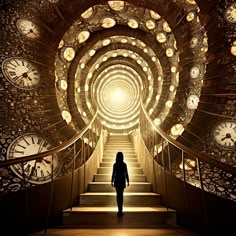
(192, 101)
(224, 134)
(161, 37)
(194, 72)
(230, 13)
(28, 28)
(21, 73)
(35, 171)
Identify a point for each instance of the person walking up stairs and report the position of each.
(98, 206)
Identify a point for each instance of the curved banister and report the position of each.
(57, 149)
(188, 150)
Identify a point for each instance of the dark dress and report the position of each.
(119, 178)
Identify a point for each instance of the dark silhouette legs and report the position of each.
(119, 199)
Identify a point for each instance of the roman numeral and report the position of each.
(27, 169)
(21, 146)
(12, 73)
(21, 152)
(26, 141)
(17, 62)
(45, 144)
(39, 141)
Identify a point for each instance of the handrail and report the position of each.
(188, 150)
(59, 148)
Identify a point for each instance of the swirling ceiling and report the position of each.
(136, 57)
(110, 55)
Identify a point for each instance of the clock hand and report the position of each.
(223, 138)
(40, 147)
(19, 78)
(32, 169)
(47, 161)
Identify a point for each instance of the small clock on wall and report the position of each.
(230, 13)
(28, 28)
(224, 134)
(192, 101)
(35, 171)
(21, 73)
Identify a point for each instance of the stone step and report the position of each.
(109, 199)
(110, 164)
(107, 178)
(107, 217)
(108, 170)
(127, 160)
(119, 141)
(106, 187)
(126, 151)
(110, 155)
(114, 145)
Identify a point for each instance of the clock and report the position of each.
(21, 73)
(161, 37)
(233, 48)
(194, 72)
(193, 42)
(230, 13)
(35, 171)
(166, 27)
(224, 134)
(28, 28)
(192, 101)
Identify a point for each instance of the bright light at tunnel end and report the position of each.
(119, 96)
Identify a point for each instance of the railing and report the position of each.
(60, 161)
(174, 168)
(185, 163)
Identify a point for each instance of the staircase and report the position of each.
(98, 206)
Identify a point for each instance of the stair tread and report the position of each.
(114, 209)
(129, 175)
(114, 194)
(131, 183)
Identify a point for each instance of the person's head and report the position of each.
(119, 157)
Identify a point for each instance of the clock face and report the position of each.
(161, 37)
(35, 171)
(193, 42)
(28, 28)
(21, 73)
(194, 72)
(192, 101)
(230, 13)
(224, 134)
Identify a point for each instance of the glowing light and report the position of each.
(188, 164)
(177, 129)
(108, 22)
(69, 54)
(157, 121)
(169, 104)
(155, 15)
(132, 23)
(92, 52)
(66, 116)
(116, 5)
(86, 14)
(83, 36)
(150, 24)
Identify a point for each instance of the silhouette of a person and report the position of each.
(119, 177)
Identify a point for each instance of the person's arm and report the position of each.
(113, 176)
(127, 174)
